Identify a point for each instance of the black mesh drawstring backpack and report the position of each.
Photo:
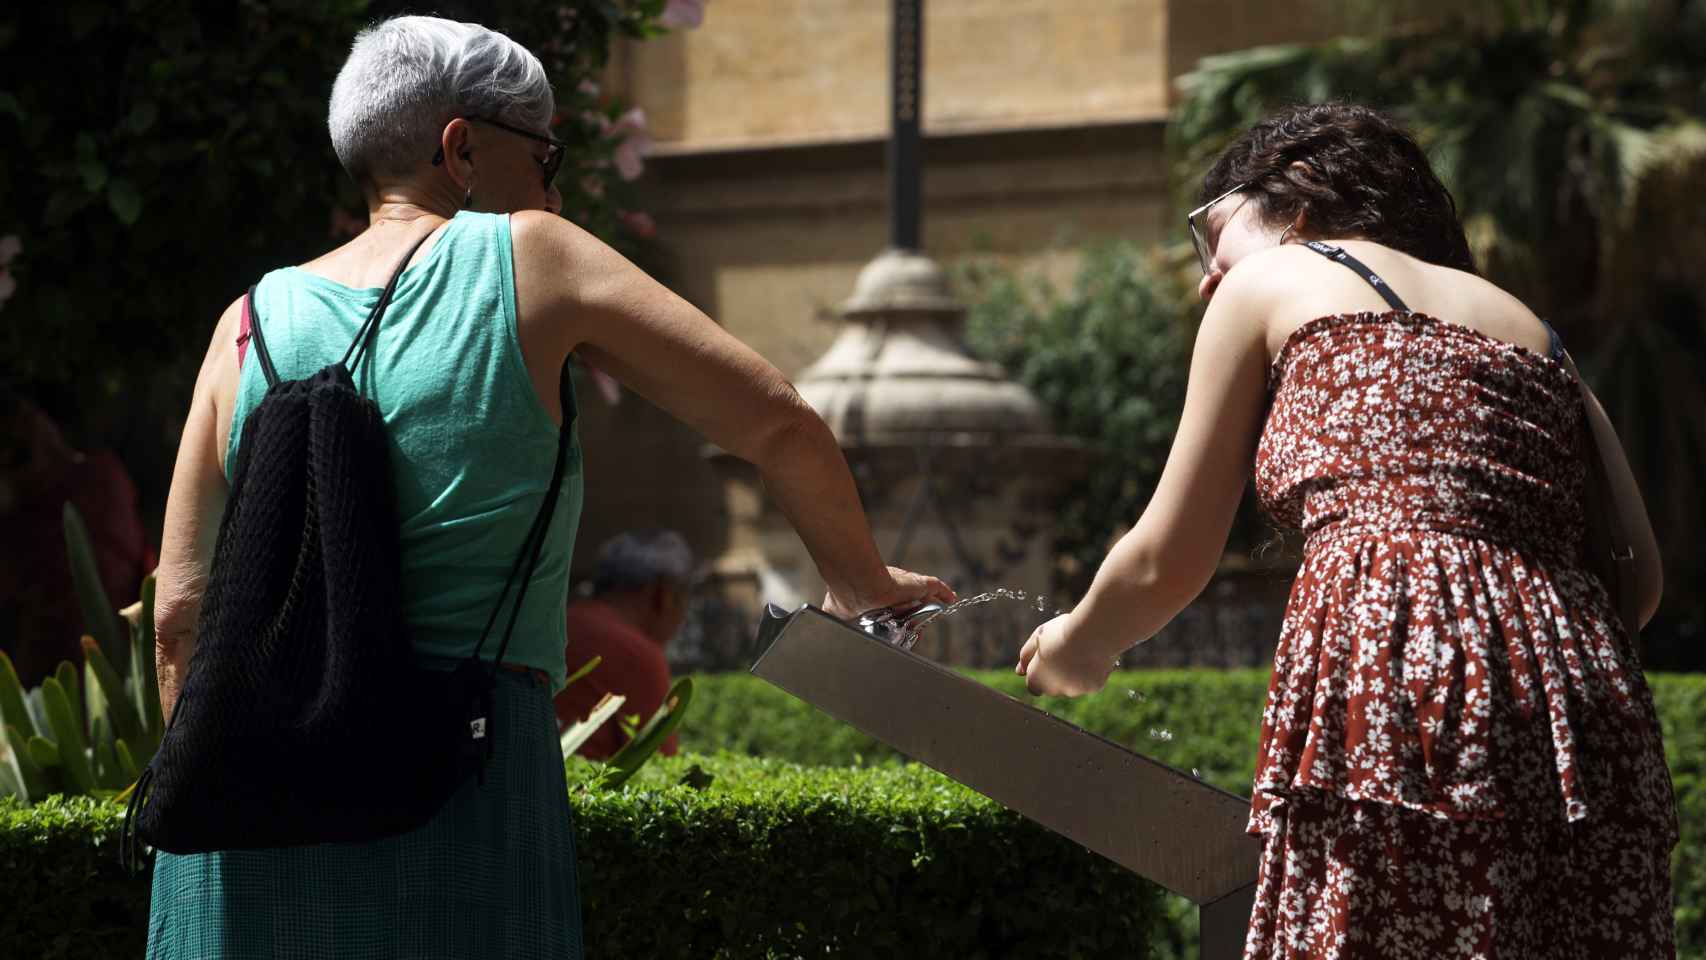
(304, 716)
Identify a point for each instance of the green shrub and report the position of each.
(60, 881)
(770, 859)
(1107, 356)
(773, 858)
(779, 859)
(1213, 718)
(1682, 709)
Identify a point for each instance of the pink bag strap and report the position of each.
(243, 333)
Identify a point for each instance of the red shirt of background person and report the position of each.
(41, 624)
(638, 601)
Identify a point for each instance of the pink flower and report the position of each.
(632, 142)
(678, 14)
(639, 223)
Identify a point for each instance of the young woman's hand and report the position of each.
(1052, 663)
(904, 589)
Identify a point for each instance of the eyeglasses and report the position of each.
(1197, 221)
(553, 157)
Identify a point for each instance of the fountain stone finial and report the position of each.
(904, 281)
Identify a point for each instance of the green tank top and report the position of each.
(471, 446)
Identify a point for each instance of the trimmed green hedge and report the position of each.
(771, 859)
(1213, 718)
(775, 859)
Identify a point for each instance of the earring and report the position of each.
(468, 198)
(1286, 232)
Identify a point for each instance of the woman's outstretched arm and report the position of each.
(1630, 505)
(577, 294)
(1167, 558)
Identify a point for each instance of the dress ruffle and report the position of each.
(1457, 677)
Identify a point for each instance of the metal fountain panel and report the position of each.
(1158, 822)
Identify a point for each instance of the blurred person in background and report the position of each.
(41, 622)
(637, 600)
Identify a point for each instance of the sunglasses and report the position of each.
(1197, 220)
(553, 157)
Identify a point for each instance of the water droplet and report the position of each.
(1160, 733)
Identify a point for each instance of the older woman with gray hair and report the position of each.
(445, 127)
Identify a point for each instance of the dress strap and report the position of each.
(1338, 253)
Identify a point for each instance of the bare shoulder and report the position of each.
(552, 243)
(1275, 272)
(560, 266)
(1251, 295)
(216, 386)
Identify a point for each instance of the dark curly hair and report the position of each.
(1362, 176)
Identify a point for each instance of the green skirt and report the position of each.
(491, 876)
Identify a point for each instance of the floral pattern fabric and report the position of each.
(1459, 754)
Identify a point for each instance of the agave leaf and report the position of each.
(127, 764)
(68, 734)
(119, 708)
(578, 733)
(30, 773)
(12, 709)
(91, 593)
(68, 678)
(632, 757)
(103, 761)
(94, 701)
(38, 712)
(44, 753)
(11, 785)
(133, 676)
(148, 680)
(585, 669)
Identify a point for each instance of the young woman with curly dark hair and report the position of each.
(1459, 755)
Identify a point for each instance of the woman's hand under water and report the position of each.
(904, 589)
(1052, 663)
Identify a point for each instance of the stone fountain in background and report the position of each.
(957, 465)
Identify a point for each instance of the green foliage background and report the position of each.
(162, 154)
(1108, 357)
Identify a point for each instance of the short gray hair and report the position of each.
(407, 77)
(639, 558)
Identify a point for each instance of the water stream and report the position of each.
(1040, 604)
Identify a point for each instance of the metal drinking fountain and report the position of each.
(1162, 824)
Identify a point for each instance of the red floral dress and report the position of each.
(1459, 755)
